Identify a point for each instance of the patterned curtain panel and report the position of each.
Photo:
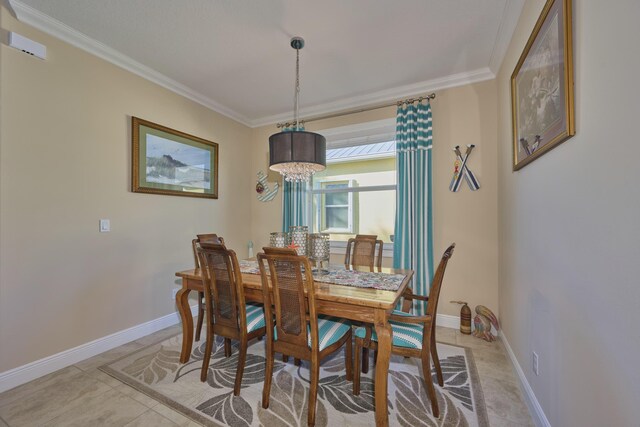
(413, 241)
(294, 199)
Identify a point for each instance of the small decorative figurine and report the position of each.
(465, 317)
(482, 328)
(482, 323)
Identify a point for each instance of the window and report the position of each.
(356, 193)
(336, 208)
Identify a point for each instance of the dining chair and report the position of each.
(299, 331)
(227, 312)
(413, 336)
(361, 252)
(210, 238)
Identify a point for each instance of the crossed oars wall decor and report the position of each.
(461, 169)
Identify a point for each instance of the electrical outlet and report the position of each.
(173, 294)
(534, 360)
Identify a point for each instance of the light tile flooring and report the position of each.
(81, 395)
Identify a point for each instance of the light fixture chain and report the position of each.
(297, 93)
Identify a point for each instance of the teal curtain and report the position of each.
(413, 240)
(294, 199)
(294, 204)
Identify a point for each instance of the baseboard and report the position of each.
(448, 321)
(538, 415)
(25, 373)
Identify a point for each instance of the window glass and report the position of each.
(337, 217)
(368, 204)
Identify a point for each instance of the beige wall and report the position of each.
(65, 163)
(569, 235)
(464, 115)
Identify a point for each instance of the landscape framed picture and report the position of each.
(542, 86)
(167, 161)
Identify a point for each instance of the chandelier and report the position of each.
(297, 154)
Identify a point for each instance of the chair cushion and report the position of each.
(255, 317)
(330, 330)
(407, 335)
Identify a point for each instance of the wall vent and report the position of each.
(27, 46)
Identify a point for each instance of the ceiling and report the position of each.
(234, 55)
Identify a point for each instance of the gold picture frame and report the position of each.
(542, 107)
(173, 162)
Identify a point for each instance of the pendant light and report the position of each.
(297, 154)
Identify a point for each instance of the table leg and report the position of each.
(384, 333)
(182, 301)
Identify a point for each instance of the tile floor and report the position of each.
(81, 395)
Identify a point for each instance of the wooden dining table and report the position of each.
(361, 304)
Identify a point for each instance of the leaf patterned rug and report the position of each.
(156, 371)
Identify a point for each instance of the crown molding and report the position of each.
(55, 28)
(510, 16)
(383, 96)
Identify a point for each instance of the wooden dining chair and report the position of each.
(361, 252)
(413, 336)
(299, 331)
(228, 315)
(209, 238)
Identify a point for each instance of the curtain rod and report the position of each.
(345, 113)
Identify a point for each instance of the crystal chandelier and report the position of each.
(297, 154)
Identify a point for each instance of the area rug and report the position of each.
(156, 371)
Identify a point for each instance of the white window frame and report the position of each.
(321, 213)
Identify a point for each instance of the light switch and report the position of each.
(105, 225)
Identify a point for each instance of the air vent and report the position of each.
(27, 46)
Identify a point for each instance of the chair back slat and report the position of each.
(224, 294)
(290, 276)
(361, 251)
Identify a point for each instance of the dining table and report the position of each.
(369, 302)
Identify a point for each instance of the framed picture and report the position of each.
(166, 161)
(542, 86)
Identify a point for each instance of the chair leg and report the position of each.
(227, 347)
(285, 358)
(348, 357)
(207, 355)
(431, 391)
(313, 390)
(356, 368)
(268, 373)
(375, 357)
(436, 359)
(200, 315)
(296, 361)
(365, 360)
(242, 357)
